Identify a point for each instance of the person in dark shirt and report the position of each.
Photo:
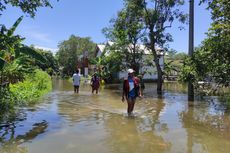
(142, 84)
(95, 83)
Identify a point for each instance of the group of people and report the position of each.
(132, 87)
(95, 82)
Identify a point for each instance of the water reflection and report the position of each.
(207, 130)
(85, 123)
(131, 135)
(10, 142)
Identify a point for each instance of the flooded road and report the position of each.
(64, 122)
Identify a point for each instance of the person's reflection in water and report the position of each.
(128, 135)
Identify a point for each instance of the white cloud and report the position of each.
(39, 36)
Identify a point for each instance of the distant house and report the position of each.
(145, 67)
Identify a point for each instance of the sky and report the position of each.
(87, 18)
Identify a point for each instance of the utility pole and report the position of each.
(85, 63)
(191, 46)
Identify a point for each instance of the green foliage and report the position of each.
(108, 65)
(228, 102)
(159, 16)
(27, 6)
(127, 30)
(34, 86)
(2, 63)
(71, 51)
(216, 46)
(173, 63)
(15, 58)
(188, 72)
(50, 65)
(154, 18)
(180, 56)
(9, 42)
(212, 60)
(6, 99)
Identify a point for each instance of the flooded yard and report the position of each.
(90, 123)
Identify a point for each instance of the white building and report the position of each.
(150, 71)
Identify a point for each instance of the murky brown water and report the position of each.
(65, 122)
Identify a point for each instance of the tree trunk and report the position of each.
(156, 60)
(159, 78)
(159, 70)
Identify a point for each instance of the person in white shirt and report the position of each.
(76, 81)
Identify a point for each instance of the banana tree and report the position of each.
(8, 43)
(14, 55)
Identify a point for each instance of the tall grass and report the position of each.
(34, 86)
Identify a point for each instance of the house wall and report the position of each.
(152, 72)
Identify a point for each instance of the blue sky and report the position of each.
(87, 18)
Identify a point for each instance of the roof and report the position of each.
(147, 51)
(101, 47)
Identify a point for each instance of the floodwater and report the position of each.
(64, 122)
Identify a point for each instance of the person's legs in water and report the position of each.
(77, 89)
(131, 103)
(92, 90)
(97, 91)
(129, 107)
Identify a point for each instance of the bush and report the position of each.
(34, 86)
(6, 99)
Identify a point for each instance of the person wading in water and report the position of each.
(95, 83)
(130, 86)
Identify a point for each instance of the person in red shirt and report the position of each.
(130, 91)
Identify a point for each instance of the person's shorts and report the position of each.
(76, 86)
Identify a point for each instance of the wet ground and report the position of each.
(64, 122)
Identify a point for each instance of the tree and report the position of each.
(126, 31)
(173, 64)
(212, 59)
(9, 42)
(71, 51)
(158, 16)
(15, 58)
(50, 65)
(217, 46)
(27, 6)
(107, 65)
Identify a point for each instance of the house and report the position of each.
(145, 67)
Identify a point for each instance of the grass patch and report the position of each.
(33, 87)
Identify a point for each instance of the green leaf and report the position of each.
(15, 25)
(2, 63)
(31, 52)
